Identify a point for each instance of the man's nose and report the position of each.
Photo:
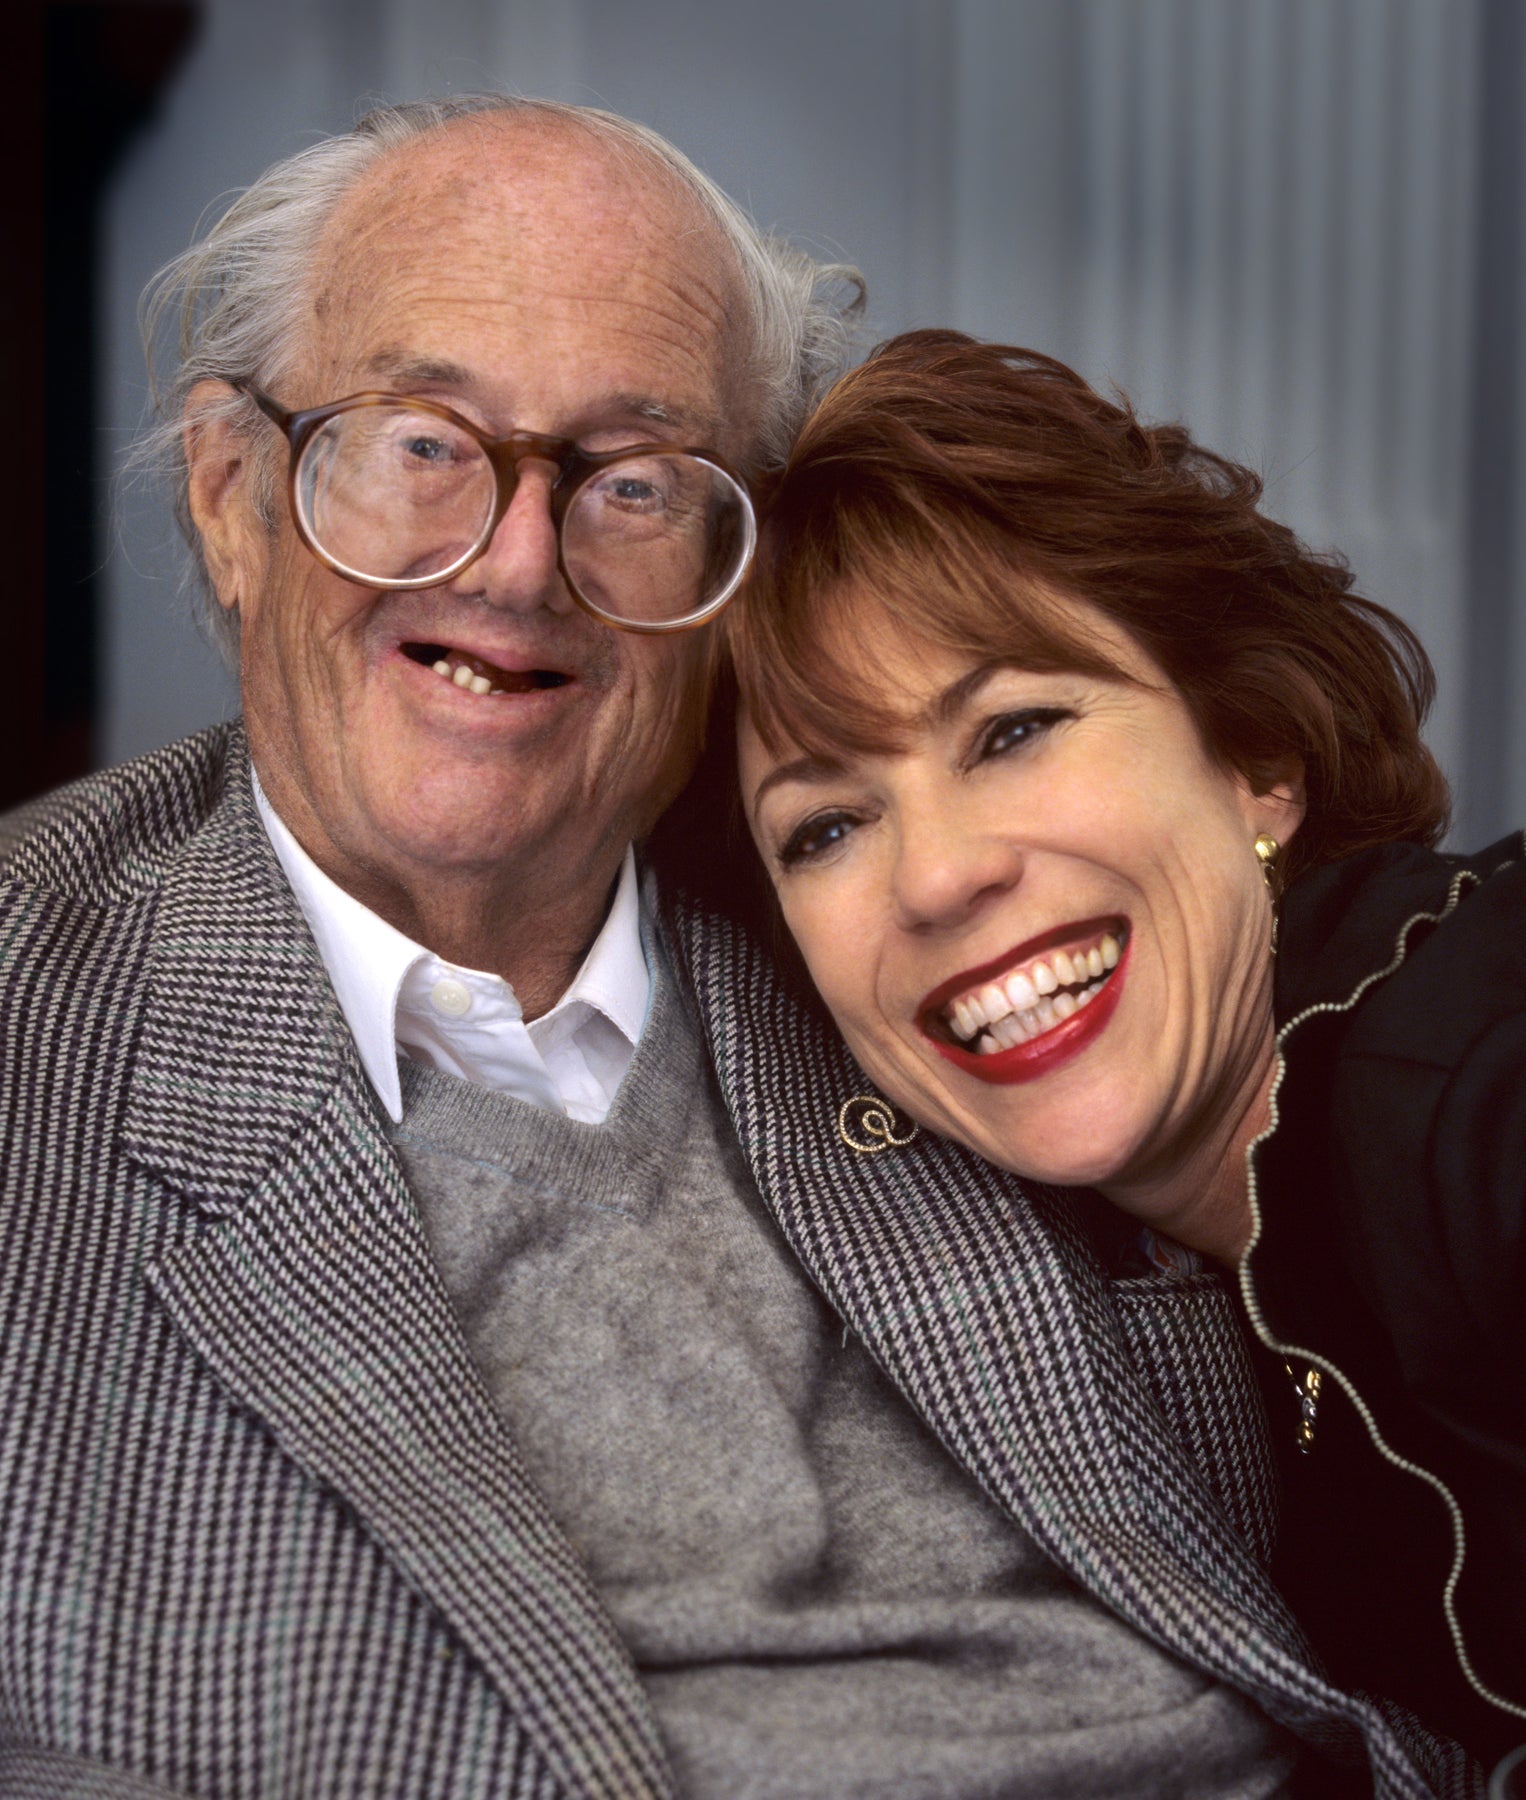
(517, 567)
(945, 876)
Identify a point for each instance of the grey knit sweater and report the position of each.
(819, 1600)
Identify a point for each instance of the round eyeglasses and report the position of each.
(402, 493)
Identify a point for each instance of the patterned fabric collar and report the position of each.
(308, 1286)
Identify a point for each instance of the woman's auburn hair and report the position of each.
(962, 492)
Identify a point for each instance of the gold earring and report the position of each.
(1267, 851)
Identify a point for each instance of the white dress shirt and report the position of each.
(397, 997)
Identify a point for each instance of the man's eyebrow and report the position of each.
(697, 423)
(803, 768)
(404, 370)
(420, 371)
(648, 409)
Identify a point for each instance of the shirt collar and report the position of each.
(367, 959)
(613, 979)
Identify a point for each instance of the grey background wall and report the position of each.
(1298, 224)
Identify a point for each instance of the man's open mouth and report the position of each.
(475, 676)
(1033, 996)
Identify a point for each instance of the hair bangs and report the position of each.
(982, 499)
(878, 563)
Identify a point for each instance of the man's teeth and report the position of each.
(466, 672)
(999, 1015)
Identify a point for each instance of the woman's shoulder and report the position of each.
(1401, 994)
(1402, 1006)
(1351, 924)
(1394, 1185)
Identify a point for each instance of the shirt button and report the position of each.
(451, 997)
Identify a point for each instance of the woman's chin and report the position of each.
(1096, 1171)
(1082, 1142)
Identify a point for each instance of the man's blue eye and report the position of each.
(639, 489)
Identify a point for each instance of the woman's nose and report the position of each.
(945, 876)
(517, 569)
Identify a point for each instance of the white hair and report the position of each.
(238, 296)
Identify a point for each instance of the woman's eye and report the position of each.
(1012, 730)
(814, 838)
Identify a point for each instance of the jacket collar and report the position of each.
(308, 1287)
(241, 1040)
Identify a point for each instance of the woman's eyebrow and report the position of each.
(809, 768)
(944, 708)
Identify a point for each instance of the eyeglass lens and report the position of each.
(396, 495)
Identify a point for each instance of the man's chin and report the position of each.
(466, 820)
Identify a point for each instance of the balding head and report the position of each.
(535, 225)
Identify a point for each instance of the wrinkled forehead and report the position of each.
(496, 235)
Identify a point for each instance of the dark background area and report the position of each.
(90, 76)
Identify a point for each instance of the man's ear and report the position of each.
(235, 542)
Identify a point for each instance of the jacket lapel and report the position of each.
(984, 1303)
(310, 1291)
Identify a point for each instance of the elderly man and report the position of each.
(407, 1388)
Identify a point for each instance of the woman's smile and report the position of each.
(1027, 992)
(1036, 1009)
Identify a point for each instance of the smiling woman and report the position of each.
(945, 887)
(1098, 810)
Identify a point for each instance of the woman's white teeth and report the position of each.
(991, 1002)
(1012, 1029)
(1002, 1014)
(1021, 993)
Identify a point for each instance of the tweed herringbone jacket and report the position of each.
(263, 1531)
